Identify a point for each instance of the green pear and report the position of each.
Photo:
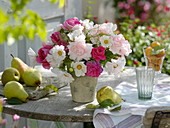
(10, 74)
(19, 65)
(32, 77)
(15, 89)
(107, 92)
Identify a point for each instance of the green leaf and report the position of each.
(89, 16)
(157, 49)
(91, 106)
(91, 2)
(14, 101)
(116, 109)
(106, 103)
(53, 1)
(61, 4)
(60, 125)
(4, 18)
(52, 87)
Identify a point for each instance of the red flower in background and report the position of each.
(130, 12)
(95, 17)
(167, 9)
(42, 54)
(136, 63)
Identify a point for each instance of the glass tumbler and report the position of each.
(155, 61)
(145, 82)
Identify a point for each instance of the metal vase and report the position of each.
(83, 89)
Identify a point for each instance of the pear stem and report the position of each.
(62, 86)
(12, 55)
(124, 100)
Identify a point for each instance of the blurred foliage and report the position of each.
(142, 36)
(20, 22)
(88, 13)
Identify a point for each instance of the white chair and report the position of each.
(157, 117)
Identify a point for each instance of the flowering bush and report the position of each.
(146, 10)
(80, 48)
(140, 36)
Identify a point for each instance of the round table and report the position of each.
(60, 107)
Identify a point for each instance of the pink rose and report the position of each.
(167, 3)
(94, 69)
(147, 6)
(42, 54)
(127, 6)
(144, 16)
(70, 23)
(131, 1)
(79, 50)
(121, 5)
(141, 3)
(159, 8)
(120, 45)
(56, 37)
(98, 53)
(158, 1)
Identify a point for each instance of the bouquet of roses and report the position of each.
(82, 48)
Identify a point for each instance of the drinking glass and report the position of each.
(145, 82)
(154, 60)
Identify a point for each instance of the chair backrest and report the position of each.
(157, 117)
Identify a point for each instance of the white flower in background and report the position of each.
(63, 76)
(79, 68)
(103, 28)
(78, 27)
(75, 34)
(87, 24)
(95, 40)
(80, 38)
(141, 27)
(94, 31)
(107, 28)
(106, 41)
(115, 66)
(56, 56)
(32, 57)
(112, 26)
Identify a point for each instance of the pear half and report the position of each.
(107, 92)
